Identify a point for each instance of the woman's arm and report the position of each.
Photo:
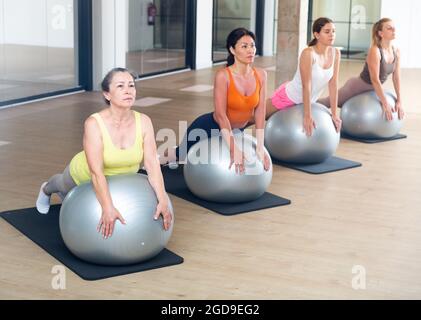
(333, 91)
(306, 62)
(220, 94)
(397, 84)
(93, 147)
(259, 118)
(153, 169)
(373, 62)
(260, 111)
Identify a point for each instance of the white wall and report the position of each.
(204, 34)
(253, 8)
(1, 22)
(268, 29)
(121, 14)
(405, 14)
(41, 23)
(302, 42)
(110, 40)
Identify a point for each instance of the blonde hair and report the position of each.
(377, 27)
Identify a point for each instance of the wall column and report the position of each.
(268, 28)
(292, 37)
(204, 35)
(110, 36)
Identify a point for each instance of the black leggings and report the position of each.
(208, 126)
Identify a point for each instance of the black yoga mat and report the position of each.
(398, 136)
(43, 229)
(175, 184)
(332, 164)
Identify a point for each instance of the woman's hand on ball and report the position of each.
(387, 109)
(337, 123)
(163, 209)
(399, 110)
(107, 221)
(309, 125)
(264, 158)
(237, 158)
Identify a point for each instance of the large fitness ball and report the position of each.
(363, 117)
(286, 140)
(208, 176)
(140, 239)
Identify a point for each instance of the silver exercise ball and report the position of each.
(140, 239)
(208, 176)
(363, 117)
(286, 140)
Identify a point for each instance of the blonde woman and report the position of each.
(382, 60)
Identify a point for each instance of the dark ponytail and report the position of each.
(232, 40)
(230, 59)
(313, 42)
(317, 27)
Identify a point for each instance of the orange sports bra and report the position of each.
(239, 107)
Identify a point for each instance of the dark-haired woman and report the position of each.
(115, 141)
(382, 60)
(318, 68)
(239, 97)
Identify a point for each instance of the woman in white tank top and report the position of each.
(318, 68)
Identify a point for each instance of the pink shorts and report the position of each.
(280, 99)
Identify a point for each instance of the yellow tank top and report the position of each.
(116, 160)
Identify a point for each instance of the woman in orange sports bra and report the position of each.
(239, 97)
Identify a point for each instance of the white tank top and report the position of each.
(319, 79)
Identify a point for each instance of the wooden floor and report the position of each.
(368, 216)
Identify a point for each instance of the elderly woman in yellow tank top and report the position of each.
(115, 141)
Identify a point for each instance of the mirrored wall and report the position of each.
(353, 20)
(38, 47)
(157, 36)
(228, 15)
